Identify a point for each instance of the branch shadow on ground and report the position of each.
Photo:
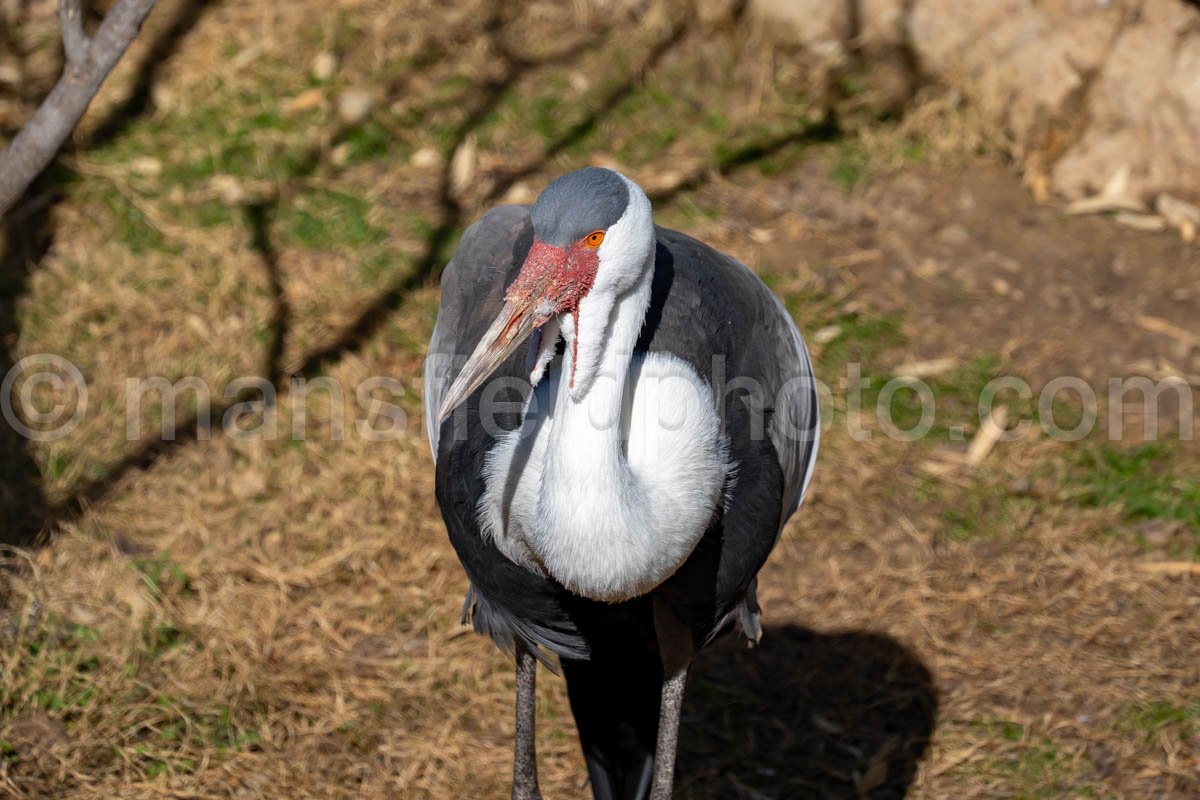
(806, 714)
(21, 478)
(590, 121)
(25, 511)
(453, 213)
(258, 220)
(24, 508)
(164, 45)
(259, 217)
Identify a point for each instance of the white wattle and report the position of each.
(609, 484)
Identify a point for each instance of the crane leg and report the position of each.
(675, 645)
(525, 781)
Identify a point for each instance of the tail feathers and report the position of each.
(616, 703)
(508, 630)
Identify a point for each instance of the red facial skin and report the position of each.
(562, 277)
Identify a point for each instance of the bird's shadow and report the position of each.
(805, 714)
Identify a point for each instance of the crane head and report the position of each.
(576, 231)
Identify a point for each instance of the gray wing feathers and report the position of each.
(473, 285)
(779, 359)
(795, 428)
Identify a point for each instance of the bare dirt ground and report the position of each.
(270, 191)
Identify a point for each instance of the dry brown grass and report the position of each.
(277, 618)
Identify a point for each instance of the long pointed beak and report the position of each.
(516, 321)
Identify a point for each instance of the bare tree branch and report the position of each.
(75, 41)
(88, 63)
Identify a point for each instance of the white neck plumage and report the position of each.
(590, 415)
(623, 459)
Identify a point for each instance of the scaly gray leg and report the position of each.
(525, 782)
(675, 645)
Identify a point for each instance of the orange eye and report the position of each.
(594, 238)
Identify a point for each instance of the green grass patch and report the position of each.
(545, 115)
(156, 764)
(368, 142)
(1147, 482)
(1143, 481)
(129, 225)
(646, 123)
(850, 166)
(1154, 717)
(983, 511)
(161, 638)
(863, 338)
(162, 576)
(958, 396)
(1041, 771)
(174, 725)
(60, 661)
(326, 220)
(685, 211)
(377, 268)
(240, 133)
(912, 150)
(1036, 769)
